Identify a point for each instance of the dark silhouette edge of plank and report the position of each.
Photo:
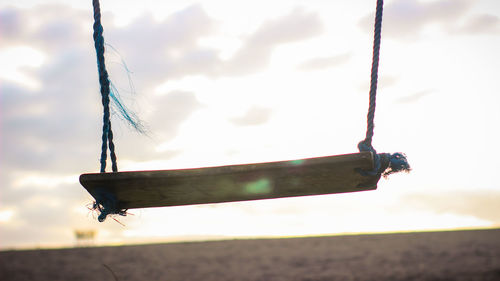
(310, 176)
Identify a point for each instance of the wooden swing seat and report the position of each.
(312, 176)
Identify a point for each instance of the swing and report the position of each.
(116, 192)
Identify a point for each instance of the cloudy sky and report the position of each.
(222, 82)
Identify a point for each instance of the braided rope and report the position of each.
(384, 163)
(105, 202)
(366, 144)
(107, 133)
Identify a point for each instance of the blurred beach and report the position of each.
(447, 255)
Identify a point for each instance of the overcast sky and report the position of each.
(222, 82)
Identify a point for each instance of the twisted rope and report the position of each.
(105, 203)
(366, 144)
(384, 163)
(107, 133)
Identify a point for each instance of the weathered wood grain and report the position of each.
(312, 176)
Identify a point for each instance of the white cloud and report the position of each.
(178, 48)
(414, 97)
(6, 215)
(44, 181)
(479, 25)
(12, 23)
(257, 48)
(208, 92)
(45, 130)
(172, 109)
(324, 62)
(480, 203)
(15, 60)
(254, 116)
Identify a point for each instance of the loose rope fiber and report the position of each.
(105, 203)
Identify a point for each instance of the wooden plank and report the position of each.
(312, 176)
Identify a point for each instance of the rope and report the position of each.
(384, 163)
(107, 133)
(374, 74)
(105, 202)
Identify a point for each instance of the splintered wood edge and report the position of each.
(173, 187)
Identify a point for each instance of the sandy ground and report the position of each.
(457, 255)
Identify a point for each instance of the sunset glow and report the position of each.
(231, 82)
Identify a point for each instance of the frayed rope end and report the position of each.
(394, 163)
(106, 204)
(385, 164)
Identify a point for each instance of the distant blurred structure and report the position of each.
(84, 237)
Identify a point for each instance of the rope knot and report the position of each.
(384, 163)
(107, 204)
(365, 145)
